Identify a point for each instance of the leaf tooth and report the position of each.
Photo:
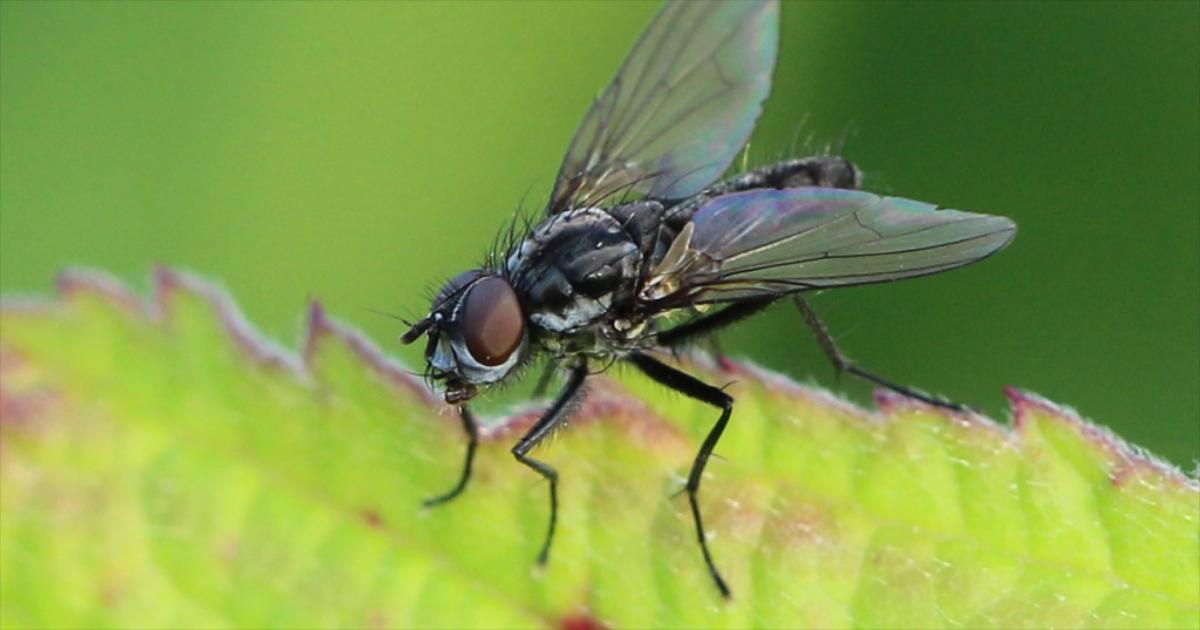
(322, 327)
(1123, 457)
(170, 284)
(73, 281)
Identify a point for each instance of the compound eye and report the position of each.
(492, 321)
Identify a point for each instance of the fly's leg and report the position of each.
(472, 430)
(543, 427)
(685, 333)
(694, 388)
(834, 172)
(842, 363)
(708, 324)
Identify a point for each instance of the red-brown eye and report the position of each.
(492, 321)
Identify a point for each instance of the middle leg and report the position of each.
(692, 387)
(472, 430)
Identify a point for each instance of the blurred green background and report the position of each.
(361, 152)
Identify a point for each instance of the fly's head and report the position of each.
(476, 334)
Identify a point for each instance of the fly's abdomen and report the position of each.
(822, 171)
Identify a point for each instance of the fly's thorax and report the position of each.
(574, 270)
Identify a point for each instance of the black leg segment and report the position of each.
(694, 388)
(472, 430)
(690, 331)
(543, 427)
(843, 363)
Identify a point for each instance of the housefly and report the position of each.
(639, 229)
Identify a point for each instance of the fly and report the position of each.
(640, 226)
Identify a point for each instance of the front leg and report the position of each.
(472, 430)
(694, 388)
(543, 427)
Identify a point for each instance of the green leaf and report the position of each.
(163, 465)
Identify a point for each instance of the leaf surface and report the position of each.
(163, 465)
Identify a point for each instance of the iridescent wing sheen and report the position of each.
(680, 108)
(772, 242)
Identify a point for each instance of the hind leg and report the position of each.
(843, 363)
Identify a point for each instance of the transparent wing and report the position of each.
(772, 242)
(680, 108)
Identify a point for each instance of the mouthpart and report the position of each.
(458, 392)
